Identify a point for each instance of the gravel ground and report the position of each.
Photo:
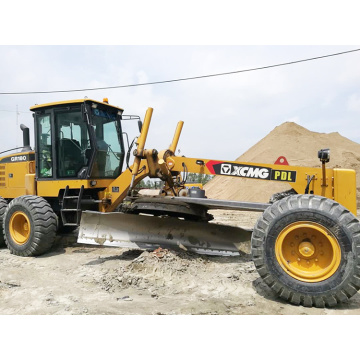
(78, 279)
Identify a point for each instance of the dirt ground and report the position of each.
(79, 279)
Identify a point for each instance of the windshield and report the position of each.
(110, 148)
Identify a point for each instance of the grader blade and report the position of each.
(151, 232)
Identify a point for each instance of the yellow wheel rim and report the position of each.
(307, 251)
(19, 227)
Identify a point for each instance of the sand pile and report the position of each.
(300, 147)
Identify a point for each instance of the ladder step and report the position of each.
(71, 211)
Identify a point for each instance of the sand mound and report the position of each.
(164, 273)
(300, 147)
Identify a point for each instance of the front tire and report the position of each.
(29, 226)
(307, 250)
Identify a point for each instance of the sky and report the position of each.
(224, 116)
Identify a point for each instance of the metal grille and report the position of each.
(2, 178)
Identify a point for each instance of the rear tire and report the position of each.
(3, 205)
(29, 226)
(307, 250)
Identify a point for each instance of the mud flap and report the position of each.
(150, 232)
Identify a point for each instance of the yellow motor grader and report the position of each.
(305, 244)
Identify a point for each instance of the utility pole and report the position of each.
(17, 125)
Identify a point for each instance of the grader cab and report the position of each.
(305, 244)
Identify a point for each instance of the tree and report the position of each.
(198, 178)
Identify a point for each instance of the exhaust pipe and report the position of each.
(26, 138)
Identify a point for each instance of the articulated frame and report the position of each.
(339, 184)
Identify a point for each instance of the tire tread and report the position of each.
(315, 204)
(3, 205)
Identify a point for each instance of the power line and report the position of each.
(181, 79)
(19, 111)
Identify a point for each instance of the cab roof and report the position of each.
(70, 102)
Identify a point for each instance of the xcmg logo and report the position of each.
(254, 172)
(245, 171)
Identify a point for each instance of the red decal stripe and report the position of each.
(210, 165)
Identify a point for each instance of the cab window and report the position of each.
(45, 150)
(73, 141)
(109, 144)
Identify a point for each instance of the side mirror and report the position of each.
(140, 125)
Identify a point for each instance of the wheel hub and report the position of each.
(307, 251)
(19, 226)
